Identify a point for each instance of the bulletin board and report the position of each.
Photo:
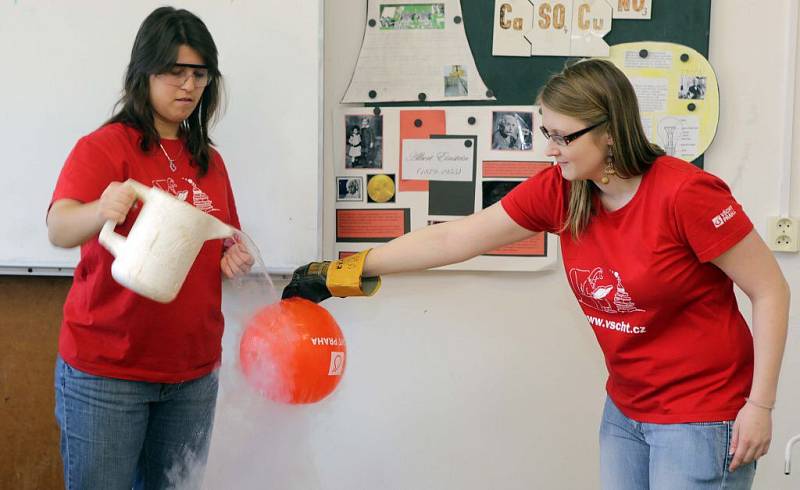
(515, 80)
(466, 97)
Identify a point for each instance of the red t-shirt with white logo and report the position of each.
(676, 347)
(111, 331)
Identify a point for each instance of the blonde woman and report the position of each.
(652, 247)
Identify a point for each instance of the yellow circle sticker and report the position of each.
(380, 188)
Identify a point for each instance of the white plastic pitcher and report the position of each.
(162, 245)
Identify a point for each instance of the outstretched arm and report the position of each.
(446, 243)
(434, 246)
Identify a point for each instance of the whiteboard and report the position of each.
(64, 69)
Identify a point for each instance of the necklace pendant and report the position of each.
(170, 160)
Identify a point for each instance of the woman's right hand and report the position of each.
(115, 202)
(71, 222)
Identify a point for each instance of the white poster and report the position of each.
(512, 18)
(440, 163)
(659, 60)
(570, 28)
(591, 20)
(550, 34)
(438, 159)
(415, 51)
(679, 135)
(652, 93)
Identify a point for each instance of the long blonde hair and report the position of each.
(594, 90)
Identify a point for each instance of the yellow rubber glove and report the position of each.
(318, 281)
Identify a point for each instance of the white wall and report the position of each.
(747, 154)
(494, 380)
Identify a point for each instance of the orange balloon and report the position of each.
(293, 351)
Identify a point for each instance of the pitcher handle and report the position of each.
(140, 189)
(111, 240)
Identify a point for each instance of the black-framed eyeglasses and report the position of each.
(181, 72)
(568, 138)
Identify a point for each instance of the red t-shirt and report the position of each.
(111, 331)
(676, 347)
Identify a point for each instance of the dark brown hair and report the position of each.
(155, 51)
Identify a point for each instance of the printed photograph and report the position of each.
(455, 81)
(363, 141)
(512, 130)
(412, 16)
(692, 87)
(670, 132)
(350, 188)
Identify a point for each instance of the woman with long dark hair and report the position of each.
(136, 380)
(652, 247)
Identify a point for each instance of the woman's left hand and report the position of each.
(752, 434)
(236, 260)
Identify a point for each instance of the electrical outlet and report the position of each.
(783, 234)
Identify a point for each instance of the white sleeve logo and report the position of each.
(723, 217)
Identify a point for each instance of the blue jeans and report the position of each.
(642, 456)
(119, 434)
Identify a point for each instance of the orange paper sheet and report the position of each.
(432, 122)
(502, 169)
(370, 224)
(533, 246)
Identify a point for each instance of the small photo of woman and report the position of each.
(350, 188)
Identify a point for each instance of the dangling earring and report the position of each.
(609, 168)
